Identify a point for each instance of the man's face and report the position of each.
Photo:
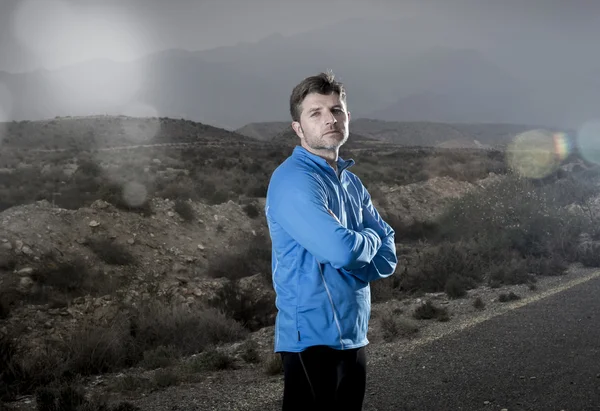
(324, 122)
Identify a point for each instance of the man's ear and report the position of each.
(298, 129)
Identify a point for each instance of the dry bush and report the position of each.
(478, 304)
(436, 266)
(428, 311)
(185, 210)
(512, 215)
(212, 360)
(415, 231)
(132, 337)
(72, 397)
(396, 326)
(58, 280)
(511, 296)
(110, 252)
(589, 254)
(189, 330)
(273, 365)
(241, 305)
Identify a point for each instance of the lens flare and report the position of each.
(84, 41)
(60, 34)
(134, 194)
(588, 141)
(537, 153)
(141, 124)
(562, 145)
(5, 110)
(40, 25)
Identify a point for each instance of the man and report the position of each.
(328, 244)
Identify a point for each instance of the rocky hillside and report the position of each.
(161, 255)
(264, 131)
(100, 132)
(130, 258)
(407, 133)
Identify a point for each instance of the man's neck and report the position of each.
(331, 156)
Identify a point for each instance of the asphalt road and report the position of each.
(542, 356)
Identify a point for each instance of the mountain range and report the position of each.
(388, 77)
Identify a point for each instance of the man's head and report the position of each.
(319, 113)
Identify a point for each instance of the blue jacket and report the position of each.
(321, 265)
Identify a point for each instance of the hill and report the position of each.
(264, 131)
(160, 255)
(101, 132)
(408, 133)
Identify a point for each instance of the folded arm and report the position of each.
(301, 210)
(385, 260)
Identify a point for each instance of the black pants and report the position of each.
(322, 378)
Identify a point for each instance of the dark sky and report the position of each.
(53, 33)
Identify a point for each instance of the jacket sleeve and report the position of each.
(301, 210)
(384, 263)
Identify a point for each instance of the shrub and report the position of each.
(110, 252)
(159, 357)
(185, 210)
(416, 230)
(11, 369)
(242, 307)
(512, 215)
(394, 326)
(503, 297)
(589, 254)
(165, 378)
(511, 273)
(428, 311)
(93, 348)
(60, 280)
(385, 289)
(8, 260)
(254, 258)
(274, 365)
(478, 304)
(71, 397)
(212, 360)
(456, 286)
(188, 330)
(250, 353)
(436, 266)
(251, 210)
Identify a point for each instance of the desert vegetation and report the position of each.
(510, 230)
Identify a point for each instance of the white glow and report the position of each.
(99, 84)
(533, 154)
(134, 194)
(138, 109)
(144, 125)
(5, 109)
(588, 141)
(60, 34)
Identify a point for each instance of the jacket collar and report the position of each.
(302, 153)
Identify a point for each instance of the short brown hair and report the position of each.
(322, 83)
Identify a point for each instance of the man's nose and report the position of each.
(330, 119)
